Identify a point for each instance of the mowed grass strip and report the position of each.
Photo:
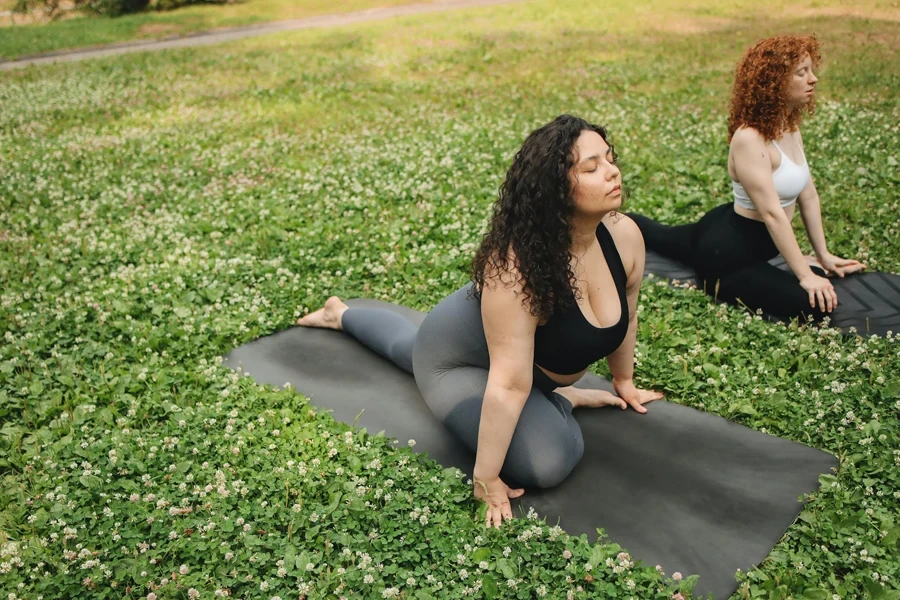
(161, 209)
(23, 35)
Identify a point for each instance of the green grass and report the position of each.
(78, 31)
(157, 210)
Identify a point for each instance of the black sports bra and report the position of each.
(568, 343)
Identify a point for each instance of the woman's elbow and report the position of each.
(773, 217)
(512, 388)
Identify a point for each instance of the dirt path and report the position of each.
(236, 33)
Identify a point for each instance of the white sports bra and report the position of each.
(789, 178)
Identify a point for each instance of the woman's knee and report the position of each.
(547, 460)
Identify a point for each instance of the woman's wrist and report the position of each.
(484, 475)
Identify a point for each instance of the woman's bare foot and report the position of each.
(590, 398)
(327, 317)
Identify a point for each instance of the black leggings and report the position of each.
(731, 255)
(448, 355)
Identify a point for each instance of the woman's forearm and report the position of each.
(811, 213)
(500, 413)
(783, 235)
(621, 362)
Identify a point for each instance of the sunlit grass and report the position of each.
(157, 210)
(74, 30)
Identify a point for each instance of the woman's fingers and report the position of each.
(635, 403)
(820, 296)
(650, 395)
(499, 507)
(845, 266)
(496, 514)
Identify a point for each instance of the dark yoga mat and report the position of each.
(677, 487)
(868, 301)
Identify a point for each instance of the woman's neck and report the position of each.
(584, 234)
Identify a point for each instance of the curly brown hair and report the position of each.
(532, 218)
(759, 97)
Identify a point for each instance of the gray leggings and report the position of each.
(448, 356)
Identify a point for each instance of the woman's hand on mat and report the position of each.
(496, 495)
(820, 291)
(840, 266)
(634, 397)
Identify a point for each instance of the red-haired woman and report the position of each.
(731, 245)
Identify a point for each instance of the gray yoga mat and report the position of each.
(870, 302)
(677, 487)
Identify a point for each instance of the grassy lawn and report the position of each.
(80, 31)
(156, 210)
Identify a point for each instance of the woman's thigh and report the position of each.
(726, 242)
(451, 363)
(547, 442)
(766, 287)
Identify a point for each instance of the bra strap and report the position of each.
(612, 257)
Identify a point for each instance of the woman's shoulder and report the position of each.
(748, 142)
(625, 234)
(745, 135)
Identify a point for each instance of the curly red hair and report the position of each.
(759, 97)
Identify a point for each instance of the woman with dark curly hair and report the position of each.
(731, 245)
(555, 288)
